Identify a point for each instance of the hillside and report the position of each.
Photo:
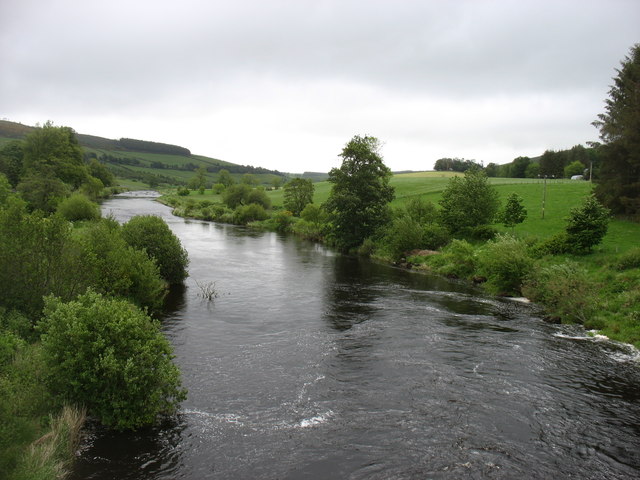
(152, 163)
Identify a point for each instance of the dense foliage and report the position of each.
(153, 235)
(153, 147)
(587, 225)
(619, 181)
(513, 212)
(298, 193)
(111, 357)
(468, 202)
(360, 194)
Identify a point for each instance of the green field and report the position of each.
(561, 196)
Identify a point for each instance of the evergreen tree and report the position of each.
(514, 212)
(619, 179)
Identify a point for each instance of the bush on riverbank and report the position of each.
(48, 255)
(98, 344)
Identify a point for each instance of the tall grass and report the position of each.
(51, 455)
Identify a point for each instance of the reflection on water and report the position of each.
(315, 365)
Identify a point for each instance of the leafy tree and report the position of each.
(491, 170)
(236, 195)
(619, 177)
(587, 225)
(152, 234)
(533, 170)
(101, 172)
(574, 168)
(11, 158)
(111, 357)
(5, 188)
(360, 194)
(117, 268)
(199, 181)
(468, 202)
(38, 256)
(50, 150)
(43, 192)
(514, 212)
(259, 197)
(552, 163)
(519, 167)
(225, 178)
(298, 193)
(276, 182)
(249, 179)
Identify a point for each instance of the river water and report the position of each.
(313, 365)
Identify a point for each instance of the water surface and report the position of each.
(312, 365)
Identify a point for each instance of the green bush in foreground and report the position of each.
(109, 356)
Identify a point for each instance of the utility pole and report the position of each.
(544, 195)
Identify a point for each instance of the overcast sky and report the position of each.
(284, 84)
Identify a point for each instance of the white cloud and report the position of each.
(285, 84)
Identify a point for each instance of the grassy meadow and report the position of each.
(561, 196)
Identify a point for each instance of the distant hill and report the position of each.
(146, 161)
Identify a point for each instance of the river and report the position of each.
(313, 365)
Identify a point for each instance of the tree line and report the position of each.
(77, 303)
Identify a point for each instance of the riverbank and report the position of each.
(599, 290)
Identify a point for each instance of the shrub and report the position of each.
(555, 245)
(404, 234)
(236, 195)
(421, 211)
(282, 221)
(628, 260)
(183, 191)
(111, 357)
(259, 197)
(37, 254)
(458, 260)
(152, 234)
(435, 237)
(249, 213)
(367, 248)
(313, 213)
(78, 207)
(505, 263)
(313, 231)
(468, 202)
(120, 269)
(564, 289)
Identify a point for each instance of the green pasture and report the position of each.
(560, 196)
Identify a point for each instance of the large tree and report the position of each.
(619, 180)
(298, 193)
(360, 195)
(55, 151)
